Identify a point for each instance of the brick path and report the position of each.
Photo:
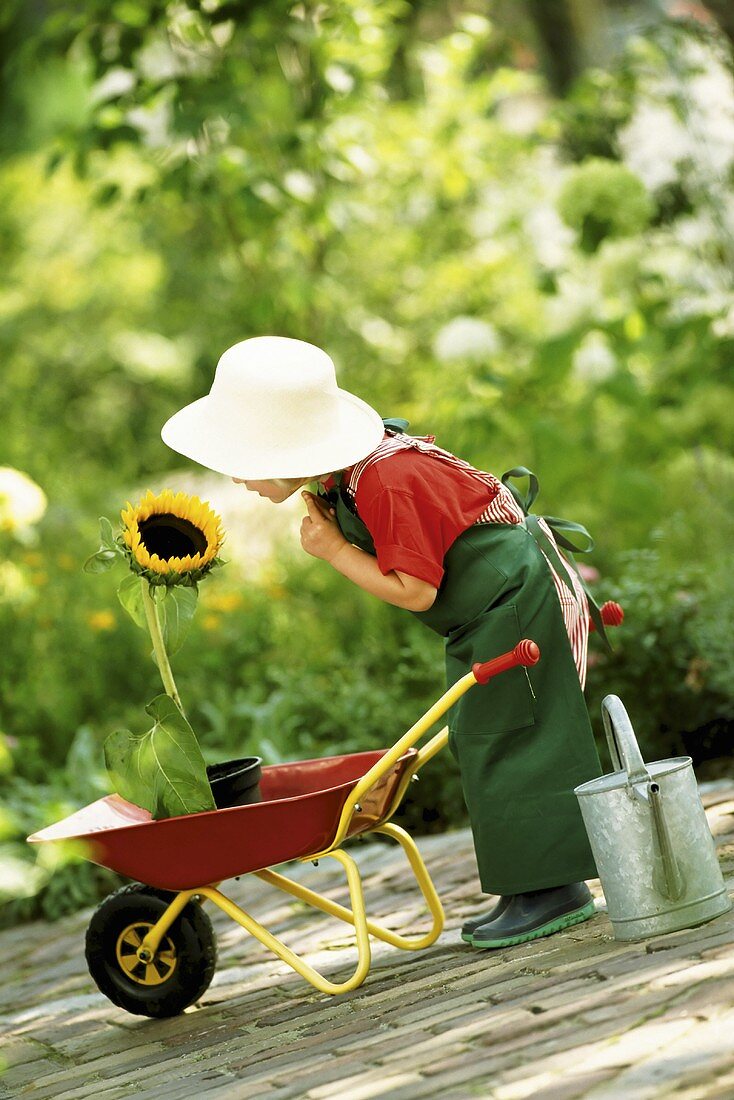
(574, 1015)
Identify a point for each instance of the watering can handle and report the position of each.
(623, 747)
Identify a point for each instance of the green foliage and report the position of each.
(161, 770)
(109, 551)
(601, 199)
(670, 659)
(597, 107)
(51, 880)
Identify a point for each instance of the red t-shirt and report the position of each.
(415, 506)
(416, 499)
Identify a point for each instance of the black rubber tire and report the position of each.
(192, 936)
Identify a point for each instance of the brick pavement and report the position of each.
(574, 1015)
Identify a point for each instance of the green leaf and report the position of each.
(108, 551)
(176, 607)
(106, 535)
(100, 562)
(163, 769)
(130, 595)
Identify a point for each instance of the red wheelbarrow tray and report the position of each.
(299, 815)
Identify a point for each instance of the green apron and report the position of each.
(523, 741)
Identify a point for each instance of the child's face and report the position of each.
(276, 489)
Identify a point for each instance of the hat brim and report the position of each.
(199, 432)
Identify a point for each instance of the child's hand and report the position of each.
(320, 533)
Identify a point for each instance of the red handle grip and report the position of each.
(524, 653)
(612, 614)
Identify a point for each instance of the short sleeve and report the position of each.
(402, 505)
(406, 528)
(415, 505)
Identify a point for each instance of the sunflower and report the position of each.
(171, 538)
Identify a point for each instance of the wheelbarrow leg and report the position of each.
(295, 961)
(406, 943)
(425, 882)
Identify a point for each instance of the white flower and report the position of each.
(551, 238)
(711, 110)
(594, 360)
(579, 301)
(339, 79)
(657, 143)
(300, 185)
(382, 335)
(18, 878)
(22, 502)
(146, 355)
(154, 122)
(116, 82)
(466, 338)
(522, 112)
(654, 143)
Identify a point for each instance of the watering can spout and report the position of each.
(673, 885)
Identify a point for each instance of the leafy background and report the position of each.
(522, 248)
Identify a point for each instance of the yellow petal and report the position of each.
(158, 565)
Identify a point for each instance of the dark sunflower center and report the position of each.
(169, 536)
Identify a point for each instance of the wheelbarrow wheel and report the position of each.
(182, 968)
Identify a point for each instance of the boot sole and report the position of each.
(577, 916)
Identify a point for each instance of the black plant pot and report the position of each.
(235, 782)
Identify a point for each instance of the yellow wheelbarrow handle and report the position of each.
(525, 652)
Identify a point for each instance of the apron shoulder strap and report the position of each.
(563, 530)
(395, 424)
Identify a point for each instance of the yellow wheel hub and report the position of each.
(155, 972)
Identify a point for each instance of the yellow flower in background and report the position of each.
(22, 502)
(14, 587)
(170, 536)
(101, 620)
(225, 601)
(275, 590)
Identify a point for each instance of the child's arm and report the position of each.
(322, 538)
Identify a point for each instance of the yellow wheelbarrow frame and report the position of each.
(525, 653)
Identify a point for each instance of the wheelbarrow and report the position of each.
(150, 946)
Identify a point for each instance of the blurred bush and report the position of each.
(671, 663)
(603, 199)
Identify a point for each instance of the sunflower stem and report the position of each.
(159, 648)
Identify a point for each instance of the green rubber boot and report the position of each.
(469, 926)
(532, 915)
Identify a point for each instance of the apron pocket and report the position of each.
(506, 702)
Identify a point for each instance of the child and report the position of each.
(423, 530)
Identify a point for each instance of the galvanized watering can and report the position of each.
(652, 845)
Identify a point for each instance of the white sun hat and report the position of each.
(274, 411)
